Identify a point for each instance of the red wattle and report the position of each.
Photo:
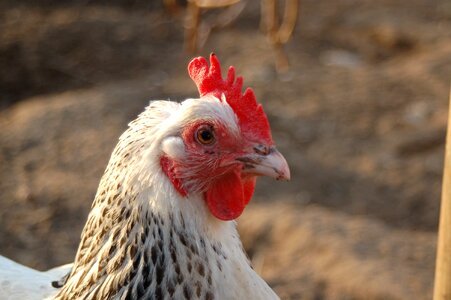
(248, 188)
(228, 196)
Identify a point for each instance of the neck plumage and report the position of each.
(141, 251)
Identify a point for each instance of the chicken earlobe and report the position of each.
(168, 168)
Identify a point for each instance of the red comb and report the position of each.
(209, 81)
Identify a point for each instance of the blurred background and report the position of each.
(360, 116)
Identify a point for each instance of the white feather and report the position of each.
(20, 282)
(174, 147)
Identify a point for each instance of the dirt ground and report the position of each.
(360, 117)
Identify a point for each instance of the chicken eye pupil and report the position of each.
(205, 136)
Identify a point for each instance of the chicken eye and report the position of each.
(205, 136)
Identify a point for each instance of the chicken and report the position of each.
(162, 222)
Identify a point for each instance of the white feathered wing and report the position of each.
(18, 282)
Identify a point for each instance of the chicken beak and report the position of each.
(266, 161)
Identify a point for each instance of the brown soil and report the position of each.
(360, 116)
